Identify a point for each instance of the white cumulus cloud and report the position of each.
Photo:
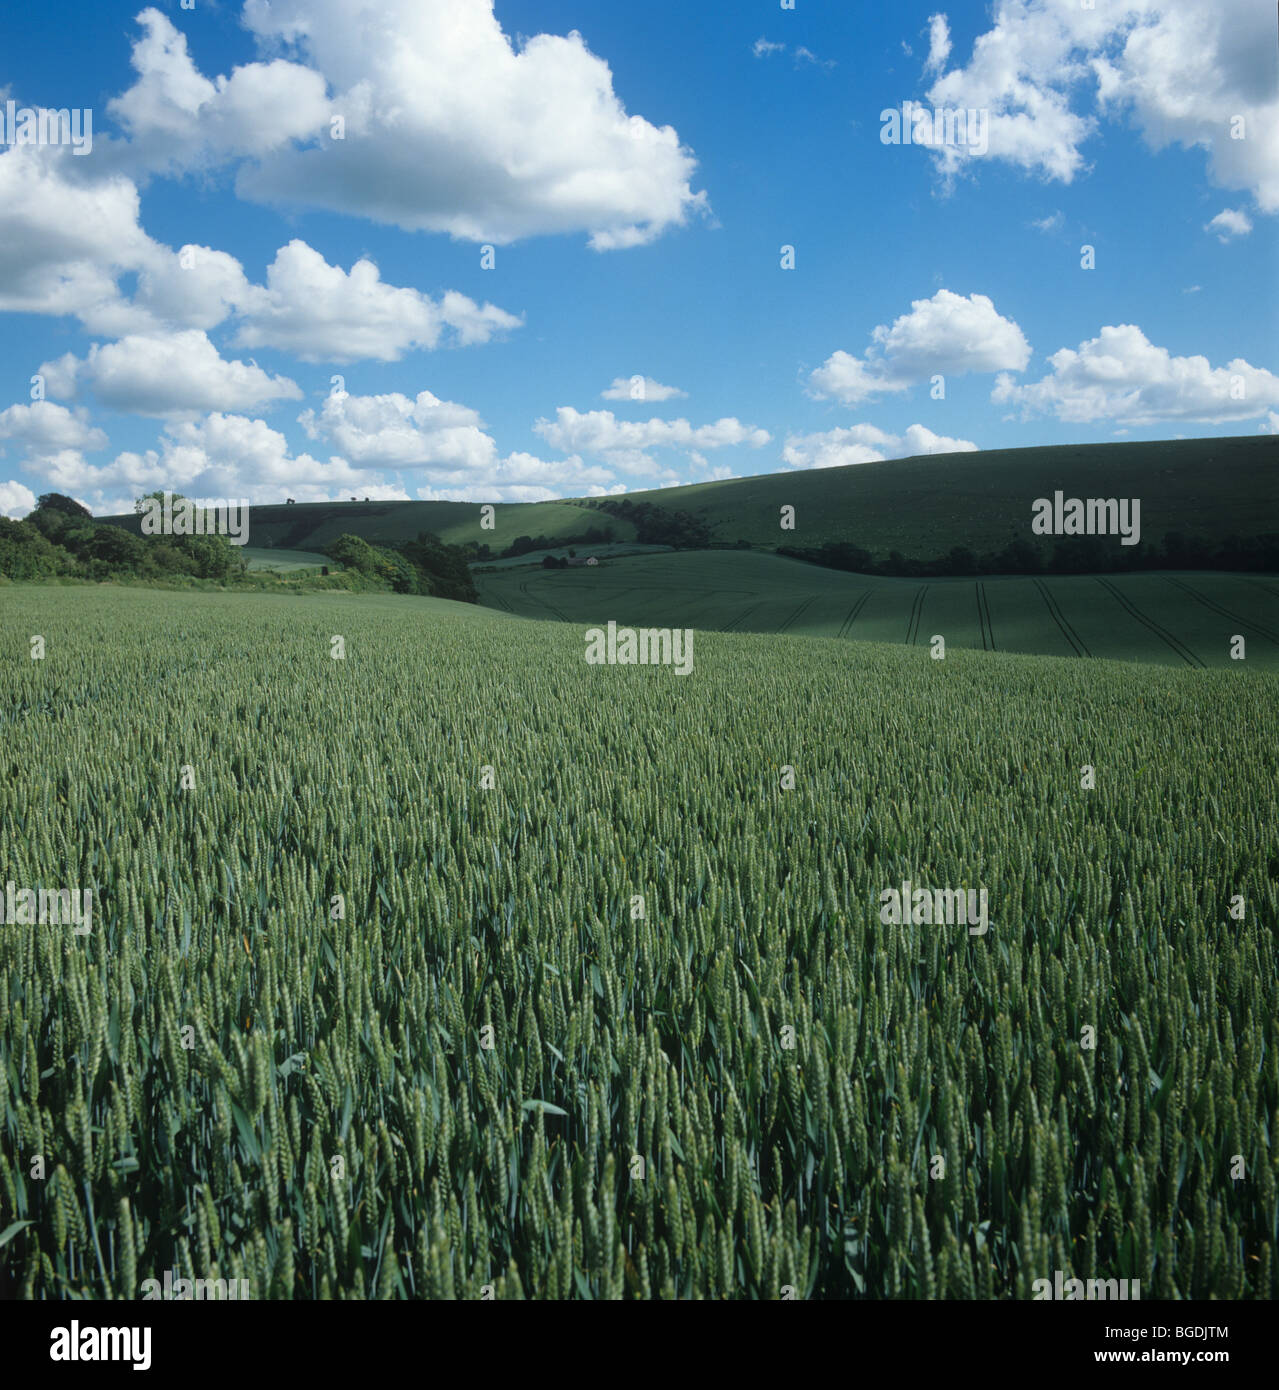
(45, 426)
(1230, 223)
(319, 312)
(394, 431)
(444, 441)
(68, 236)
(170, 375)
(640, 389)
(1121, 375)
(938, 43)
(1194, 73)
(625, 444)
(447, 125)
(221, 455)
(16, 500)
(864, 443)
(71, 236)
(949, 334)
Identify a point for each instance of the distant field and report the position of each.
(925, 506)
(263, 559)
(535, 557)
(1172, 619)
(921, 506)
(311, 526)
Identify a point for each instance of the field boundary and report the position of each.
(1067, 630)
(1131, 608)
(983, 619)
(1181, 618)
(916, 612)
(732, 624)
(853, 613)
(537, 598)
(1234, 617)
(805, 604)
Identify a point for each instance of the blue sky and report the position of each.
(637, 171)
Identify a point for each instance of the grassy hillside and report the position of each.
(260, 558)
(925, 506)
(534, 558)
(492, 1069)
(311, 526)
(922, 507)
(1176, 619)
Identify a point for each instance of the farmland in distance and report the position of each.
(1181, 619)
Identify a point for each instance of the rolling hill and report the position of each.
(1162, 618)
(310, 526)
(925, 506)
(922, 507)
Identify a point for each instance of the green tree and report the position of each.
(353, 553)
(59, 502)
(26, 553)
(140, 505)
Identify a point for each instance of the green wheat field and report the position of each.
(1177, 619)
(608, 1009)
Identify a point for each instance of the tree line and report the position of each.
(1076, 555)
(61, 539)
